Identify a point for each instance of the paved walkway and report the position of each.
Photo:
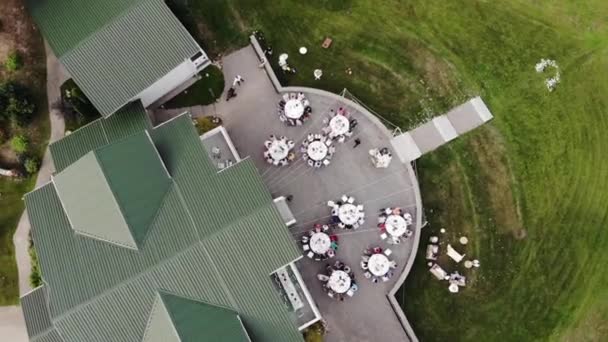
(249, 119)
(12, 326)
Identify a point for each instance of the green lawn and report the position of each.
(530, 190)
(204, 92)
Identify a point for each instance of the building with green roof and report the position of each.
(141, 237)
(118, 51)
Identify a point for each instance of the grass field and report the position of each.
(530, 190)
(17, 33)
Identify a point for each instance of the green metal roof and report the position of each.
(209, 242)
(114, 192)
(193, 319)
(63, 21)
(89, 203)
(114, 49)
(130, 119)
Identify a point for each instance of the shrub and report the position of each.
(15, 104)
(14, 61)
(204, 124)
(19, 144)
(31, 165)
(315, 332)
(35, 277)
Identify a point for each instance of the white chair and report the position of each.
(311, 162)
(385, 278)
(367, 275)
(344, 198)
(322, 277)
(381, 219)
(364, 265)
(310, 255)
(351, 200)
(356, 225)
(326, 162)
(282, 118)
(325, 227)
(331, 204)
(350, 293)
(388, 211)
(328, 142)
(267, 143)
(341, 225)
(286, 97)
(359, 207)
(388, 252)
(383, 236)
(396, 240)
(393, 264)
(306, 247)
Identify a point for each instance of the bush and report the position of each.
(31, 165)
(14, 61)
(315, 332)
(15, 104)
(77, 108)
(19, 144)
(35, 277)
(204, 124)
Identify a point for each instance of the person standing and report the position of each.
(357, 142)
(239, 79)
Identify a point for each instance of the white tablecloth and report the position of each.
(320, 243)
(348, 213)
(378, 264)
(278, 150)
(294, 109)
(339, 125)
(339, 281)
(317, 150)
(395, 225)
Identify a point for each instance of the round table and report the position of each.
(453, 288)
(317, 150)
(339, 125)
(278, 150)
(395, 225)
(339, 281)
(348, 213)
(463, 240)
(378, 264)
(320, 243)
(294, 109)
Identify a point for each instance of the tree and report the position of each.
(31, 165)
(19, 144)
(14, 61)
(15, 104)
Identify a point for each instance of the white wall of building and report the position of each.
(167, 83)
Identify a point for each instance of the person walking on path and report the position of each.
(357, 142)
(239, 79)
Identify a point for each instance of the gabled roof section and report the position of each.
(35, 312)
(192, 321)
(128, 120)
(114, 49)
(66, 23)
(114, 192)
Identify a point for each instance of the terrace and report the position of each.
(251, 118)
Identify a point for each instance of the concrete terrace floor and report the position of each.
(249, 119)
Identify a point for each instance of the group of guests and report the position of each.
(291, 121)
(338, 266)
(312, 161)
(285, 144)
(364, 265)
(352, 123)
(333, 248)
